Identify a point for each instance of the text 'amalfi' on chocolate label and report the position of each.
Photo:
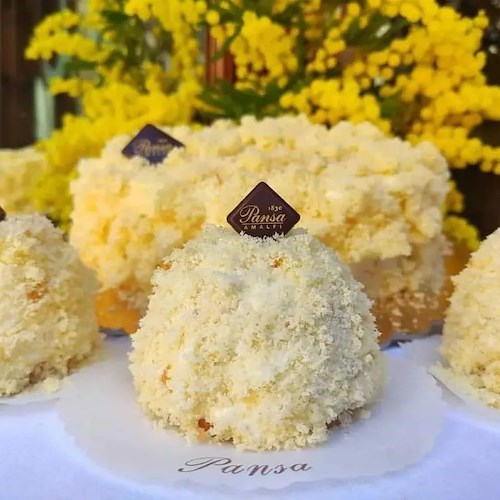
(152, 144)
(263, 213)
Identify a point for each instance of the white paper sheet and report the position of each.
(101, 413)
(425, 352)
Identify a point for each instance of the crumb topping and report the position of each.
(47, 319)
(471, 335)
(261, 356)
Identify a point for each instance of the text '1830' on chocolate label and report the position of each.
(262, 213)
(152, 144)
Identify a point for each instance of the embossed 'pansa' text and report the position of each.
(226, 466)
(251, 214)
(145, 147)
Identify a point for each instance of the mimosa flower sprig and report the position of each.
(412, 67)
(131, 63)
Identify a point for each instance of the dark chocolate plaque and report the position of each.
(152, 144)
(263, 212)
(3, 214)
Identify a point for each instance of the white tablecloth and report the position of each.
(39, 462)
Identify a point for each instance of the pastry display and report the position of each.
(47, 324)
(266, 342)
(375, 200)
(18, 175)
(471, 335)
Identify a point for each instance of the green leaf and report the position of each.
(115, 17)
(368, 38)
(352, 32)
(391, 107)
(286, 16)
(114, 56)
(229, 12)
(75, 65)
(398, 28)
(266, 7)
(226, 100)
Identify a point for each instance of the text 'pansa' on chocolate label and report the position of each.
(262, 213)
(152, 144)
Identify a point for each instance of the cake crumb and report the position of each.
(52, 384)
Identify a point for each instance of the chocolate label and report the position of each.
(152, 144)
(263, 213)
(3, 214)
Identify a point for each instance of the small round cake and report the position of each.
(471, 336)
(263, 342)
(47, 319)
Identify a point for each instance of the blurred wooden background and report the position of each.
(17, 18)
(17, 106)
(17, 84)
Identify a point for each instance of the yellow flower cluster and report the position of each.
(455, 227)
(459, 229)
(54, 36)
(326, 56)
(73, 86)
(263, 51)
(314, 19)
(454, 199)
(177, 17)
(434, 71)
(447, 80)
(332, 100)
(413, 10)
(424, 83)
(115, 96)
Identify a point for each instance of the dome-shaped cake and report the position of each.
(47, 319)
(265, 342)
(471, 336)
